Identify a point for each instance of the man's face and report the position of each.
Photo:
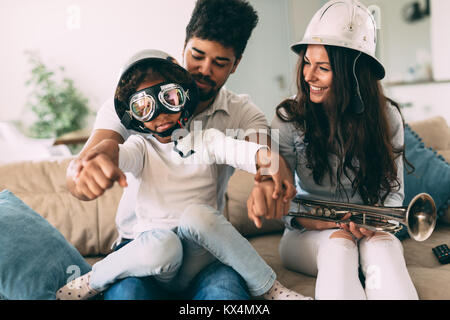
(210, 64)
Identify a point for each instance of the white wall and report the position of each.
(402, 45)
(440, 39)
(91, 39)
(267, 70)
(422, 101)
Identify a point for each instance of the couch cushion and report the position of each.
(426, 272)
(267, 247)
(88, 225)
(35, 258)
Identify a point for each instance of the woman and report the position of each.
(344, 140)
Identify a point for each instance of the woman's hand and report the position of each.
(315, 224)
(358, 233)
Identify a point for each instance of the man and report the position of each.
(216, 37)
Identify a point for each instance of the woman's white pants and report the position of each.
(336, 261)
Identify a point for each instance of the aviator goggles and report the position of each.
(147, 104)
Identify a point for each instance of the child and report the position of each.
(179, 229)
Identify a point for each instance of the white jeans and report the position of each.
(336, 261)
(175, 256)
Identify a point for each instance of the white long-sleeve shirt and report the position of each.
(170, 182)
(229, 111)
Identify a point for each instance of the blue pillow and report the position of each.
(431, 174)
(35, 258)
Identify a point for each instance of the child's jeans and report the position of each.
(175, 256)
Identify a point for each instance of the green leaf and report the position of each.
(59, 106)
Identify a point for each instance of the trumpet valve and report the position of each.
(333, 213)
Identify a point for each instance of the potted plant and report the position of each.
(59, 106)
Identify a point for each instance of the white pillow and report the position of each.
(14, 146)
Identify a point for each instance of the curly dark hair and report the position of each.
(365, 137)
(147, 71)
(229, 22)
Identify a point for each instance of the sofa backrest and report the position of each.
(88, 225)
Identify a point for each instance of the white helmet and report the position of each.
(344, 23)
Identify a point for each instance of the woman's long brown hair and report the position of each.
(334, 128)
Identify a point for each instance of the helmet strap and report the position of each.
(179, 125)
(356, 102)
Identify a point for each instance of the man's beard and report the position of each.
(205, 95)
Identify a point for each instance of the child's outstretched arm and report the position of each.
(253, 158)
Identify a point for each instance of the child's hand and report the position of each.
(270, 166)
(264, 201)
(98, 170)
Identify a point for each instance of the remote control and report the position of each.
(442, 253)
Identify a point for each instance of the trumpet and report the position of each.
(419, 216)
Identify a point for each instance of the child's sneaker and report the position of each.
(77, 289)
(280, 292)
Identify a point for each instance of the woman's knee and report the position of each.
(381, 240)
(343, 234)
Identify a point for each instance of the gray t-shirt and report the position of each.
(292, 148)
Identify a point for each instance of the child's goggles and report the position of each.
(148, 103)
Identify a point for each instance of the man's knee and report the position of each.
(133, 288)
(219, 282)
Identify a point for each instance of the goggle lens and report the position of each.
(174, 97)
(146, 104)
(143, 107)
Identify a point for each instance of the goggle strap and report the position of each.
(127, 119)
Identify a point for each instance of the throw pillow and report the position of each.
(35, 258)
(431, 174)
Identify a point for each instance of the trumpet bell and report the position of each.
(421, 217)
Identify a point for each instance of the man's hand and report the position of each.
(273, 190)
(96, 171)
(261, 203)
